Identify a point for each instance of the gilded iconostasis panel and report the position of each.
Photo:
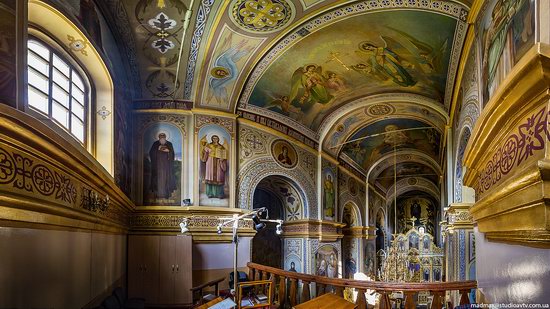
(417, 209)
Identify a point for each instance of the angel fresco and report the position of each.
(214, 157)
(399, 57)
(309, 86)
(225, 69)
(496, 35)
(382, 63)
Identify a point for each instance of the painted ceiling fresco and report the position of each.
(346, 125)
(406, 169)
(381, 52)
(385, 135)
(157, 28)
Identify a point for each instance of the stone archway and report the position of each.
(284, 200)
(251, 175)
(351, 243)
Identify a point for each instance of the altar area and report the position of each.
(412, 257)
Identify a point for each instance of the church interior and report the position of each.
(274, 154)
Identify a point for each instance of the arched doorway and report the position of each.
(350, 244)
(267, 247)
(284, 201)
(380, 241)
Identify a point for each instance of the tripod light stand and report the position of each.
(259, 223)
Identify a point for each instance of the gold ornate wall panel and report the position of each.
(506, 157)
(324, 231)
(202, 222)
(45, 179)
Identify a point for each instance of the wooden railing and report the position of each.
(281, 278)
(198, 291)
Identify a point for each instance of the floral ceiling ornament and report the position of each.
(261, 15)
(162, 23)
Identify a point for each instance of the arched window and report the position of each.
(63, 42)
(56, 89)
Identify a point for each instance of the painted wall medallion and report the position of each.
(284, 153)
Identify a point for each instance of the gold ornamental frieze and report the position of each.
(506, 159)
(42, 182)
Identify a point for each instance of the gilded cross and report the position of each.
(334, 56)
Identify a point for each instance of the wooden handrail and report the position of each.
(207, 284)
(437, 289)
(372, 285)
(199, 289)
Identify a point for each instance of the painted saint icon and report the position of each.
(214, 155)
(162, 164)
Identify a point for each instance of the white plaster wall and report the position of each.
(512, 273)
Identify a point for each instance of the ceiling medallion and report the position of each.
(379, 110)
(262, 16)
(412, 181)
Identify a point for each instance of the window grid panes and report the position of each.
(56, 89)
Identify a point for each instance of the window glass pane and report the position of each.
(38, 80)
(61, 114)
(56, 89)
(61, 65)
(78, 95)
(39, 49)
(38, 63)
(38, 100)
(77, 128)
(60, 95)
(61, 80)
(77, 81)
(78, 110)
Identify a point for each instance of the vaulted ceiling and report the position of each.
(347, 75)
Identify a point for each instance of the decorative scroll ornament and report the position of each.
(517, 148)
(104, 112)
(78, 45)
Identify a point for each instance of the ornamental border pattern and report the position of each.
(204, 120)
(519, 146)
(173, 221)
(200, 24)
(145, 120)
(29, 175)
